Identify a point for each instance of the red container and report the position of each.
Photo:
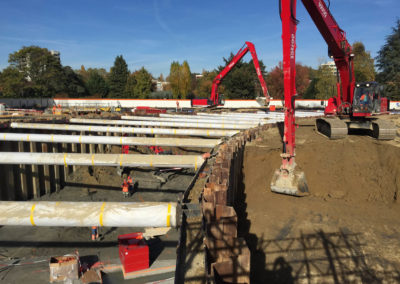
(133, 252)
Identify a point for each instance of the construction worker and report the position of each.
(95, 233)
(130, 182)
(125, 188)
(54, 109)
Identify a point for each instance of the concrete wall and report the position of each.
(166, 103)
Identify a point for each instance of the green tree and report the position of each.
(186, 80)
(241, 81)
(130, 87)
(143, 86)
(325, 85)
(364, 69)
(174, 79)
(41, 68)
(388, 62)
(73, 83)
(12, 82)
(118, 77)
(204, 84)
(96, 84)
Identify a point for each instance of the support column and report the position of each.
(65, 169)
(74, 149)
(57, 177)
(46, 171)
(35, 172)
(9, 175)
(22, 175)
(108, 147)
(101, 146)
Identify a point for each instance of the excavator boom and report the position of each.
(215, 98)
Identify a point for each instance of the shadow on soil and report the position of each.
(334, 257)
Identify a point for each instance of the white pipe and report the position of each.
(197, 124)
(111, 140)
(87, 214)
(122, 160)
(190, 118)
(128, 130)
(214, 116)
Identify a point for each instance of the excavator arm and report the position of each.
(341, 51)
(215, 97)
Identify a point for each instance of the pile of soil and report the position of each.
(346, 230)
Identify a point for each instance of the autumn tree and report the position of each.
(174, 79)
(118, 77)
(204, 84)
(274, 80)
(388, 62)
(186, 80)
(364, 69)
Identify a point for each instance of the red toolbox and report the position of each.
(133, 252)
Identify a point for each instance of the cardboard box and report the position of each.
(64, 268)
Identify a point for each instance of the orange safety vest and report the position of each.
(130, 181)
(125, 187)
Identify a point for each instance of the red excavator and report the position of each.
(216, 99)
(355, 106)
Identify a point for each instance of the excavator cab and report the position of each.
(368, 98)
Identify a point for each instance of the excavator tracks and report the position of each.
(332, 128)
(383, 129)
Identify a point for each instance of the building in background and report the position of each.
(331, 66)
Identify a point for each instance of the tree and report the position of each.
(12, 82)
(144, 82)
(325, 84)
(241, 81)
(364, 69)
(41, 68)
(73, 83)
(186, 80)
(130, 87)
(118, 77)
(204, 84)
(96, 84)
(174, 79)
(389, 63)
(274, 80)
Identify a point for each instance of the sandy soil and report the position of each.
(347, 230)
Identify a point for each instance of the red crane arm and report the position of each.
(248, 46)
(338, 46)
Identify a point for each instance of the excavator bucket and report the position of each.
(290, 183)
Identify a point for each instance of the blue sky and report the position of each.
(153, 33)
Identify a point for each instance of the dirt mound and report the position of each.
(357, 168)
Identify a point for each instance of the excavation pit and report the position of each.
(346, 230)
